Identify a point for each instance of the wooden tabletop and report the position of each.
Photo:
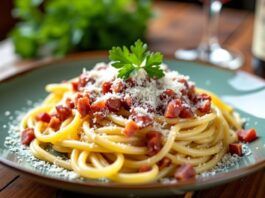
(177, 25)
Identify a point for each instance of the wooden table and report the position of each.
(177, 25)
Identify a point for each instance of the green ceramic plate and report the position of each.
(245, 92)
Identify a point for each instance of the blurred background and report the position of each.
(8, 20)
(35, 29)
(64, 27)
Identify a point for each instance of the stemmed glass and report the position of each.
(209, 49)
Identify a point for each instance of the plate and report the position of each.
(244, 91)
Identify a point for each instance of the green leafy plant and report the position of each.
(137, 57)
(59, 26)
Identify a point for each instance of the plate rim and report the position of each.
(190, 184)
(215, 180)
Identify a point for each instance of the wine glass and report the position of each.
(209, 49)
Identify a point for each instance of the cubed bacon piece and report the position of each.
(81, 95)
(191, 92)
(144, 168)
(153, 142)
(83, 106)
(184, 81)
(63, 112)
(185, 172)
(189, 89)
(127, 102)
(44, 117)
(130, 128)
(143, 120)
(113, 104)
(55, 123)
(247, 135)
(118, 87)
(70, 103)
(106, 87)
(74, 85)
(153, 134)
(165, 162)
(168, 93)
(203, 103)
(205, 106)
(27, 136)
(98, 106)
(186, 112)
(173, 109)
(236, 148)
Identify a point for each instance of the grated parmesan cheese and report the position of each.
(100, 76)
(146, 92)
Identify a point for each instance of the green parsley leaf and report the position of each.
(139, 51)
(129, 61)
(119, 56)
(152, 66)
(125, 71)
(154, 71)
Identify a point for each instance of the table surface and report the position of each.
(177, 25)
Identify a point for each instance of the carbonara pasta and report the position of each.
(137, 130)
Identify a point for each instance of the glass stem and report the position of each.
(212, 9)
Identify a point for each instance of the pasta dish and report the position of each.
(133, 121)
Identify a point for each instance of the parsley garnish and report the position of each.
(137, 57)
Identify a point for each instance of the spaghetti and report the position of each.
(130, 131)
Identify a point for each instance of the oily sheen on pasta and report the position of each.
(137, 130)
